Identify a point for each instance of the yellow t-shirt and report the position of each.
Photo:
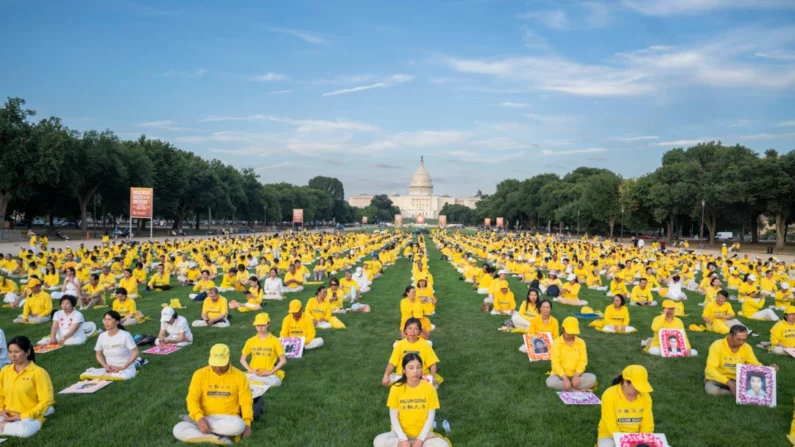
(38, 305)
(722, 362)
(617, 317)
(784, 333)
(619, 415)
(641, 295)
(659, 322)
(568, 359)
(318, 311)
(28, 393)
(304, 327)
(413, 405)
(264, 353)
(537, 325)
(713, 310)
(130, 285)
(421, 348)
(125, 308)
(215, 309)
(528, 312)
(225, 394)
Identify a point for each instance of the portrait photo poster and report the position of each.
(293, 347)
(539, 346)
(673, 343)
(756, 385)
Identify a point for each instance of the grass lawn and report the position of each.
(491, 395)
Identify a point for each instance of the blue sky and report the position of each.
(358, 90)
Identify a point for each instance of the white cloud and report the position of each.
(598, 14)
(685, 143)
(548, 152)
(777, 55)
(187, 74)
(786, 124)
(473, 157)
(632, 139)
(279, 92)
(388, 82)
(533, 41)
(304, 126)
(273, 166)
(163, 124)
(303, 35)
(516, 105)
(675, 7)
(267, 77)
(416, 139)
(555, 19)
(765, 136)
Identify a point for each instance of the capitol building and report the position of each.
(420, 200)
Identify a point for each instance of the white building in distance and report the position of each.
(420, 199)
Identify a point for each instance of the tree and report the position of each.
(774, 182)
(329, 184)
(30, 155)
(601, 197)
(458, 214)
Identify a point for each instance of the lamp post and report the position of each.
(701, 231)
(622, 224)
(578, 223)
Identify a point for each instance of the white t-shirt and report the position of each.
(71, 287)
(116, 349)
(4, 360)
(65, 323)
(179, 326)
(273, 286)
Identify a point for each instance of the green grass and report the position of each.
(492, 395)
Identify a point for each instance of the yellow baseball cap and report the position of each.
(586, 310)
(639, 378)
(34, 282)
(219, 355)
(262, 319)
(789, 310)
(295, 306)
(669, 304)
(504, 285)
(571, 326)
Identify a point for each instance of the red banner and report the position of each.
(420, 219)
(141, 200)
(298, 215)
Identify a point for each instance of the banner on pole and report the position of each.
(487, 222)
(442, 220)
(420, 219)
(398, 220)
(298, 215)
(364, 220)
(141, 203)
(500, 222)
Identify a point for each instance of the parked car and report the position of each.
(724, 236)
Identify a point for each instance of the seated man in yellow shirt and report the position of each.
(220, 405)
(293, 281)
(641, 294)
(214, 311)
(782, 334)
(38, 305)
(569, 359)
(349, 287)
(299, 324)
(724, 356)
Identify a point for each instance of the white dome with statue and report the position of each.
(421, 183)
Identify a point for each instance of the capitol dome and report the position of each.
(421, 184)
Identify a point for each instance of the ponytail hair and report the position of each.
(411, 356)
(115, 315)
(408, 289)
(25, 345)
(618, 380)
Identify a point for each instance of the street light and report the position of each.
(701, 231)
(578, 223)
(622, 224)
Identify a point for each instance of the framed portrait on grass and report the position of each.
(673, 343)
(538, 346)
(756, 385)
(640, 440)
(293, 347)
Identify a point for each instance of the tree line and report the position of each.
(51, 170)
(731, 186)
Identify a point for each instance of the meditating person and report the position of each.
(570, 292)
(666, 321)
(273, 287)
(174, 329)
(543, 322)
(214, 416)
(783, 297)
(69, 327)
(214, 311)
(411, 307)
(115, 350)
(626, 406)
(9, 291)
(25, 391)
(254, 296)
(616, 317)
(748, 288)
(267, 354)
(642, 295)
(71, 285)
(754, 309)
(349, 287)
(724, 355)
(618, 287)
(782, 334)
(93, 293)
(126, 308)
(673, 289)
(202, 286)
(711, 291)
(426, 296)
(37, 307)
(569, 360)
(719, 315)
(160, 280)
(362, 280)
(412, 406)
(319, 272)
(51, 278)
(412, 343)
(129, 283)
(527, 311)
(319, 308)
(299, 324)
(335, 296)
(228, 281)
(504, 301)
(293, 281)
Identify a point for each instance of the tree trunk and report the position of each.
(612, 223)
(781, 231)
(198, 219)
(712, 229)
(669, 236)
(83, 215)
(755, 229)
(5, 197)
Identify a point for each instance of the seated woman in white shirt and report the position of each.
(69, 327)
(174, 329)
(674, 289)
(71, 285)
(115, 351)
(273, 287)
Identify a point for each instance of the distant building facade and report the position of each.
(420, 199)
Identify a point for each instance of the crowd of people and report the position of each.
(556, 271)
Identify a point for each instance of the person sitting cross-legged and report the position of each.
(299, 324)
(724, 355)
(220, 404)
(569, 359)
